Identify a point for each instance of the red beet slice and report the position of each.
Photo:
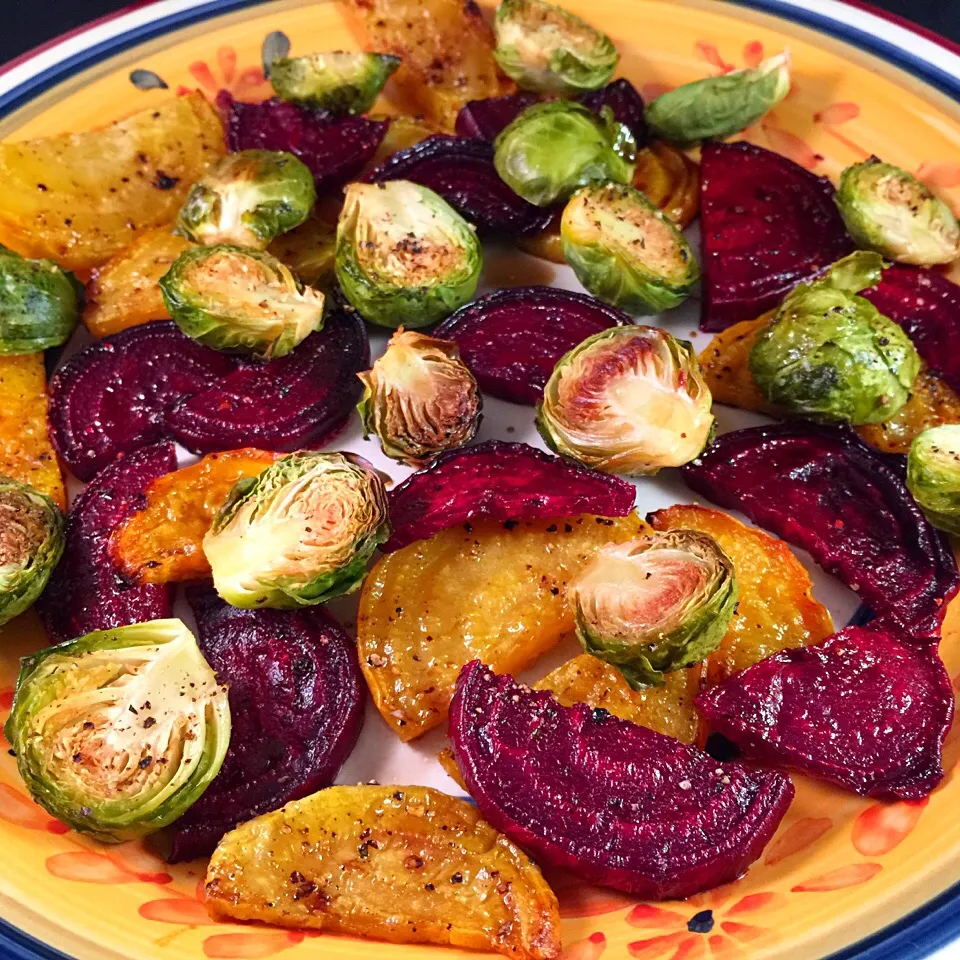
(86, 591)
(766, 224)
(927, 306)
(484, 119)
(608, 800)
(334, 147)
(825, 490)
(622, 98)
(462, 172)
(862, 709)
(499, 481)
(296, 706)
(512, 339)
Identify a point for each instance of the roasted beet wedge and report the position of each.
(499, 481)
(462, 172)
(152, 381)
(627, 105)
(613, 802)
(86, 591)
(296, 705)
(766, 224)
(512, 339)
(484, 119)
(335, 148)
(825, 490)
(927, 305)
(863, 709)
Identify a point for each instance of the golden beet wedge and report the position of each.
(671, 181)
(488, 590)
(404, 864)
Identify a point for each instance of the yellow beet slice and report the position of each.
(404, 864)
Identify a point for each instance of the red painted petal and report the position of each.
(249, 946)
(645, 915)
(657, 946)
(710, 53)
(838, 113)
(178, 910)
(17, 808)
(943, 175)
(85, 866)
(790, 145)
(753, 53)
(590, 948)
(797, 837)
(883, 826)
(227, 61)
(742, 932)
(754, 901)
(838, 879)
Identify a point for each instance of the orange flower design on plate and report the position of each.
(245, 83)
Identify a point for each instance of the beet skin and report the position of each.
(627, 105)
(484, 119)
(612, 802)
(862, 709)
(296, 706)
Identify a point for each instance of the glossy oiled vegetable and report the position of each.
(933, 475)
(404, 864)
(888, 210)
(627, 400)
(549, 50)
(308, 250)
(248, 198)
(299, 533)
(656, 604)
(553, 148)
(104, 188)
(830, 354)
(487, 589)
(670, 180)
(31, 543)
(774, 610)
(419, 398)
(625, 251)
(39, 303)
(106, 738)
(341, 81)
(163, 541)
(720, 106)
(404, 255)
(236, 299)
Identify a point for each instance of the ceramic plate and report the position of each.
(844, 877)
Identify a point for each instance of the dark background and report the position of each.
(25, 23)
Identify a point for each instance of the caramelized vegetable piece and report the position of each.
(403, 864)
(124, 292)
(775, 610)
(105, 188)
(446, 48)
(162, 542)
(26, 453)
(308, 249)
(485, 589)
(671, 181)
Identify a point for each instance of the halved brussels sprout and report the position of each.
(298, 534)
(119, 732)
(247, 199)
(830, 354)
(31, 544)
(656, 604)
(39, 303)
(933, 475)
(419, 398)
(625, 251)
(553, 148)
(341, 81)
(718, 107)
(405, 257)
(231, 298)
(888, 210)
(627, 400)
(548, 50)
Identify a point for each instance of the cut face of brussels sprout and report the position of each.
(31, 544)
(656, 604)
(933, 475)
(247, 199)
(419, 398)
(625, 251)
(298, 534)
(106, 738)
(548, 50)
(831, 354)
(341, 81)
(234, 299)
(553, 148)
(888, 210)
(718, 107)
(404, 256)
(39, 303)
(627, 400)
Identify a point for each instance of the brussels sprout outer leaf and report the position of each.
(341, 81)
(933, 475)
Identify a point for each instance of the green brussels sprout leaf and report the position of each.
(119, 732)
(341, 81)
(933, 475)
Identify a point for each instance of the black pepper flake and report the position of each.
(599, 714)
(429, 886)
(552, 528)
(163, 181)
(701, 922)
(88, 724)
(457, 877)
(148, 723)
(77, 757)
(145, 762)
(510, 524)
